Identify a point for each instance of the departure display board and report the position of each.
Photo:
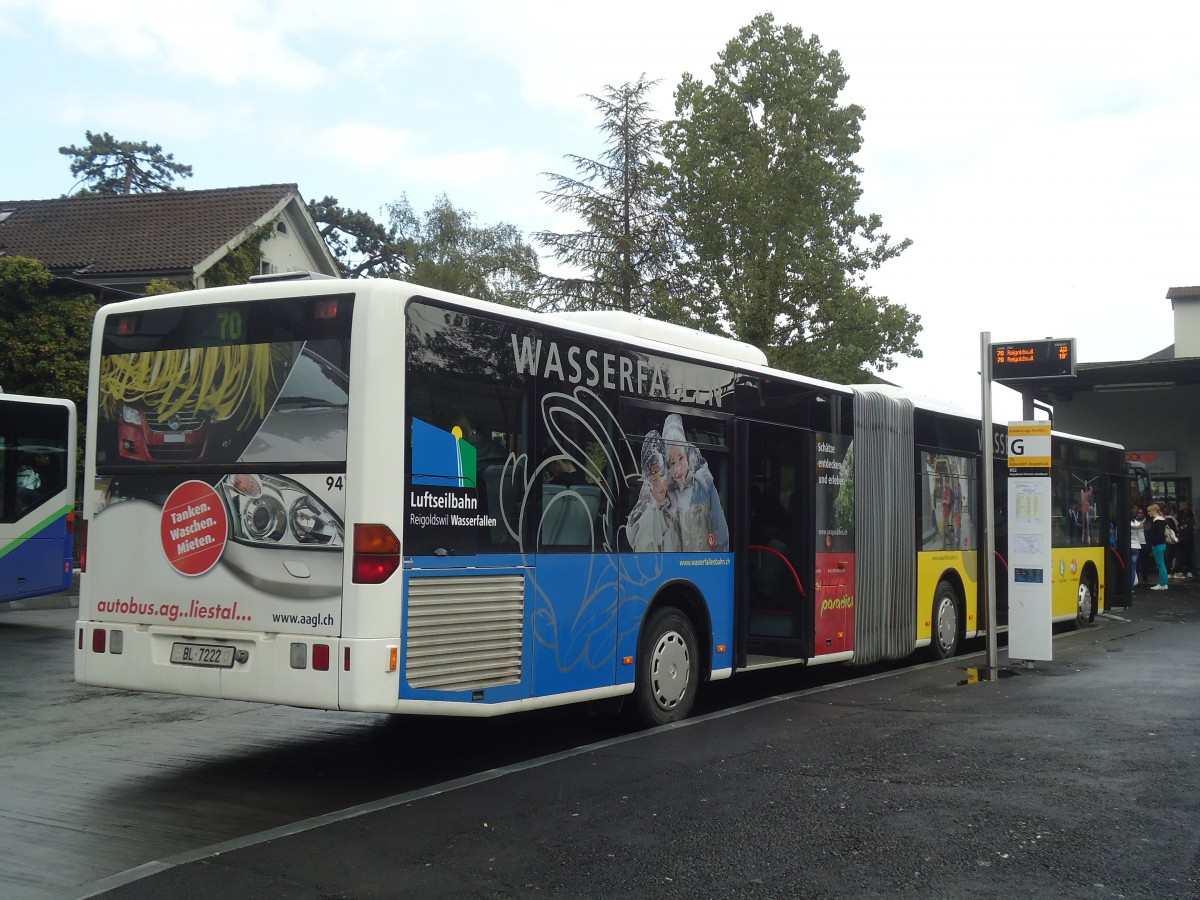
(1033, 359)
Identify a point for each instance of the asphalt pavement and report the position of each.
(1077, 777)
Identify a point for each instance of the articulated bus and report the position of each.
(367, 495)
(37, 495)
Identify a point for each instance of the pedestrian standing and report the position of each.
(1186, 532)
(1136, 537)
(1169, 557)
(1156, 537)
(1145, 558)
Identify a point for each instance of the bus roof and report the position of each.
(626, 324)
(920, 401)
(608, 324)
(47, 401)
(1086, 440)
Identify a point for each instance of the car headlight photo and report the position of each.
(271, 511)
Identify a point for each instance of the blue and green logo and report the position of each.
(441, 457)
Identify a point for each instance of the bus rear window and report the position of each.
(218, 384)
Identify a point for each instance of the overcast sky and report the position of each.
(1041, 156)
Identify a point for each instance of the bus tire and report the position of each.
(668, 669)
(946, 622)
(1085, 607)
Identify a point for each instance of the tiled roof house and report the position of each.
(120, 244)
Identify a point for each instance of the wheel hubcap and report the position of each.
(1085, 602)
(670, 670)
(947, 623)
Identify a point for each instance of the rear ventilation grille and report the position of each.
(465, 632)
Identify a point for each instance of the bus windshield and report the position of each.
(37, 494)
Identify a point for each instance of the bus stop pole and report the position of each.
(987, 564)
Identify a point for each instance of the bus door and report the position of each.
(774, 542)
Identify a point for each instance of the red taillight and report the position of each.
(98, 640)
(320, 657)
(376, 554)
(374, 569)
(83, 536)
(326, 309)
(346, 661)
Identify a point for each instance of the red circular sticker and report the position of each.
(194, 528)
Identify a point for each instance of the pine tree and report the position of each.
(622, 255)
(109, 166)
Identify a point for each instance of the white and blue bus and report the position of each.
(367, 495)
(37, 495)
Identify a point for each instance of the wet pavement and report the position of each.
(1078, 777)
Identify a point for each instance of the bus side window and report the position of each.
(503, 502)
(568, 515)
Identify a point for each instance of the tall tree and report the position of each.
(621, 257)
(764, 186)
(46, 332)
(108, 166)
(450, 252)
(362, 247)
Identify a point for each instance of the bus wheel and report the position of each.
(1085, 612)
(668, 669)
(946, 624)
